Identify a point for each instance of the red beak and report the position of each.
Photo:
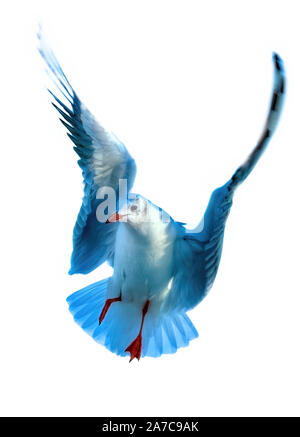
(115, 217)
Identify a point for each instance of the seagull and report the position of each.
(161, 269)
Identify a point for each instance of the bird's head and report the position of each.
(140, 213)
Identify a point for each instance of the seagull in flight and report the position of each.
(161, 269)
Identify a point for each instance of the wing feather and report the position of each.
(104, 160)
(198, 254)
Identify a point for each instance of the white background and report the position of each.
(186, 86)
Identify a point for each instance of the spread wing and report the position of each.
(198, 254)
(104, 160)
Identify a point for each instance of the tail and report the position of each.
(162, 334)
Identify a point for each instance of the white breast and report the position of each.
(143, 264)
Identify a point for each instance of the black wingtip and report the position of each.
(277, 62)
(279, 73)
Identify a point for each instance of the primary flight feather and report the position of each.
(161, 270)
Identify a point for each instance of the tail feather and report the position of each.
(162, 334)
(79, 297)
(179, 329)
(153, 344)
(169, 337)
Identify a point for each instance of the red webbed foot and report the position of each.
(135, 348)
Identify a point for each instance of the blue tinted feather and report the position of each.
(199, 253)
(162, 334)
(93, 243)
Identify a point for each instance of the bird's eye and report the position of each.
(133, 208)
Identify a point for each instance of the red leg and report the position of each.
(135, 348)
(106, 307)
